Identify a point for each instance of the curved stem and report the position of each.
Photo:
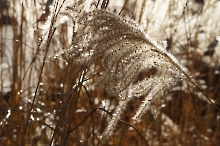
(102, 109)
(28, 123)
(187, 76)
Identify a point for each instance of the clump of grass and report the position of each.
(76, 64)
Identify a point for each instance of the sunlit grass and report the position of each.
(53, 94)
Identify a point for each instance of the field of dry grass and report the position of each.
(86, 73)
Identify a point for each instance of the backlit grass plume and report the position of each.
(125, 51)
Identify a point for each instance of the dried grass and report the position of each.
(60, 84)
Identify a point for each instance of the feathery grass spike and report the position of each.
(126, 51)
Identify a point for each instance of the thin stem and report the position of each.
(51, 32)
(102, 109)
(187, 76)
(28, 123)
